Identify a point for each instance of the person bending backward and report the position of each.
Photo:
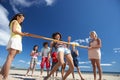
(62, 51)
(14, 45)
(75, 54)
(45, 57)
(33, 62)
(94, 54)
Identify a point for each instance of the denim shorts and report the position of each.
(64, 50)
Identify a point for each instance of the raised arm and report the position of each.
(69, 39)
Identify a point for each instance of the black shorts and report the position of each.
(75, 62)
(53, 64)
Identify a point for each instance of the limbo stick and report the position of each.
(45, 38)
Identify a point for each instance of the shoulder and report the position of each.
(14, 21)
(98, 40)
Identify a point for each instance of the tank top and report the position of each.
(18, 28)
(58, 44)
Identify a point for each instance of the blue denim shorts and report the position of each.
(64, 50)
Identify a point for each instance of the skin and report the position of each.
(12, 52)
(79, 72)
(32, 66)
(61, 62)
(63, 69)
(96, 62)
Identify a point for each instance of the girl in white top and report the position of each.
(15, 43)
(94, 53)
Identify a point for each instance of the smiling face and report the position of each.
(57, 37)
(93, 35)
(20, 19)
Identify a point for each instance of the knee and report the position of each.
(61, 63)
(94, 66)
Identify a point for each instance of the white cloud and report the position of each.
(21, 61)
(84, 67)
(28, 62)
(87, 62)
(116, 50)
(4, 28)
(17, 5)
(39, 62)
(49, 2)
(86, 40)
(106, 65)
(113, 62)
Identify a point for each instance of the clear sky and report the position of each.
(75, 18)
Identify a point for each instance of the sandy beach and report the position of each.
(20, 75)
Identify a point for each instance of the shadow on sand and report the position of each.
(21, 76)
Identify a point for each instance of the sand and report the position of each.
(20, 75)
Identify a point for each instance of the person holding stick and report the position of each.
(94, 53)
(14, 44)
(62, 51)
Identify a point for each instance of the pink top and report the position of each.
(34, 54)
(94, 53)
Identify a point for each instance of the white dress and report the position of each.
(94, 53)
(15, 41)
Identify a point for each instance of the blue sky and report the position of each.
(75, 18)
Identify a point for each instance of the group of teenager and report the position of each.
(61, 51)
(51, 53)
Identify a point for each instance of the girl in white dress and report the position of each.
(15, 43)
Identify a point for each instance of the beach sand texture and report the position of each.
(20, 75)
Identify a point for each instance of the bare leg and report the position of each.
(31, 66)
(41, 71)
(63, 69)
(80, 74)
(33, 69)
(94, 67)
(73, 75)
(47, 72)
(56, 73)
(6, 67)
(60, 62)
(27, 72)
(99, 69)
(71, 65)
(53, 75)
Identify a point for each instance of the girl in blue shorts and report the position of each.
(63, 51)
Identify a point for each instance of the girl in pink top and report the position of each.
(94, 54)
(33, 62)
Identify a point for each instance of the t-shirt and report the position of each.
(54, 57)
(45, 51)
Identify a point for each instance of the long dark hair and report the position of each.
(34, 48)
(15, 17)
(56, 33)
